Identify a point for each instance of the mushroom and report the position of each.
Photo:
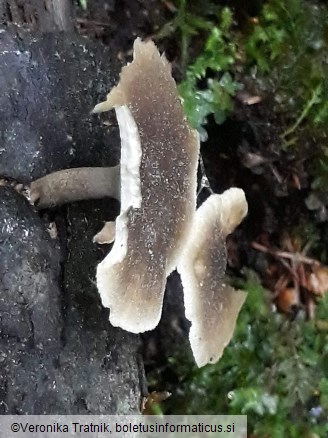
(159, 156)
(106, 234)
(211, 305)
(158, 228)
(75, 185)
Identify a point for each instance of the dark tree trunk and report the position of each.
(58, 352)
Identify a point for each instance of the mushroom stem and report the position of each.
(77, 184)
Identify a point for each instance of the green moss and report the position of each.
(274, 370)
(212, 66)
(284, 49)
(288, 46)
(83, 4)
(208, 85)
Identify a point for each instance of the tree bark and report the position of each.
(38, 15)
(59, 354)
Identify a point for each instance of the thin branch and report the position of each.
(313, 100)
(295, 257)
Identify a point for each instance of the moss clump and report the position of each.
(273, 371)
(208, 87)
(284, 49)
(288, 46)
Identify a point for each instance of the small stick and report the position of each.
(75, 185)
(297, 257)
(92, 22)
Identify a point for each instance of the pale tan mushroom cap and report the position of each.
(233, 210)
(211, 305)
(158, 190)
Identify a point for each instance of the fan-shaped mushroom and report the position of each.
(159, 159)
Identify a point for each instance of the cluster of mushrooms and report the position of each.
(159, 228)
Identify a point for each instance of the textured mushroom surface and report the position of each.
(71, 185)
(211, 305)
(159, 159)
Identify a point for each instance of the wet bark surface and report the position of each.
(49, 86)
(58, 352)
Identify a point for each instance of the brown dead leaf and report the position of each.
(288, 299)
(155, 397)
